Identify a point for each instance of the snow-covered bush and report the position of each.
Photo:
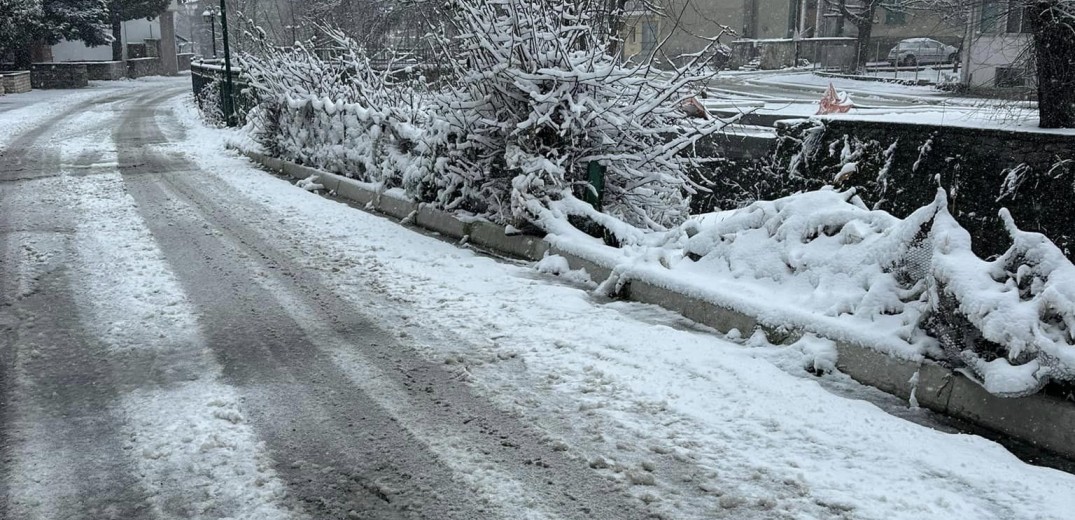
(1010, 322)
(337, 113)
(538, 99)
(209, 104)
(1017, 311)
(528, 101)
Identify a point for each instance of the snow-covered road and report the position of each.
(185, 336)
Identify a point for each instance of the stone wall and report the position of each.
(136, 50)
(106, 70)
(59, 75)
(184, 60)
(900, 166)
(141, 67)
(16, 82)
(153, 48)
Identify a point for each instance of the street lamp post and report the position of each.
(210, 18)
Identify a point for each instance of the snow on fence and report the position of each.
(899, 166)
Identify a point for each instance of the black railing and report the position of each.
(204, 73)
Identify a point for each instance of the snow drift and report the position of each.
(1008, 322)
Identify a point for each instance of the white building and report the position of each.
(134, 31)
(998, 39)
(158, 34)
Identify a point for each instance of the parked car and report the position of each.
(922, 51)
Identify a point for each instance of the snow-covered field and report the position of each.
(638, 392)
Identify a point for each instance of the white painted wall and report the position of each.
(77, 51)
(991, 51)
(134, 31)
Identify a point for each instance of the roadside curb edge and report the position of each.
(1045, 421)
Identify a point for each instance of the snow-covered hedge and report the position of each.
(529, 99)
(338, 114)
(1010, 321)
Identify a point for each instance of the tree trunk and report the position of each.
(615, 25)
(1054, 56)
(117, 39)
(862, 43)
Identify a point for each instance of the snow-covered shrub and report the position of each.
(1020, 308)
(209, 104)
(338, 113)
(528, 102)
(538, 99)
(1010, 322)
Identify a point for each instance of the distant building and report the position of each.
(998, 44)
(155, 38)
(686, 24)
(135, 32)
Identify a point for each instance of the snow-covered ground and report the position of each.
(795, 94)
(696, 424)
(19, 112)
(638, 392)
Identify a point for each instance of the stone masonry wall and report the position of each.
(899, 167)
(59, 75)
(184, 60)
(106, 70)
(16, 82)
(141, 67)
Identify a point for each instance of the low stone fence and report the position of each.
(16, 82)
(141, 67)
(184, 60)
(899, 166)
(105, 70)
(59, 75)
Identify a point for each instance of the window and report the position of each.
(895, 14)
(1018, 21)
(649, 37)
(991, 13)
(1008, 77)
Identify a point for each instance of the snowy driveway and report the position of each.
(184, 336)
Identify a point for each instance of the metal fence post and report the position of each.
(229, 93)
(594, 195)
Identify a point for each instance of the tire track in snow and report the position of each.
(361, 427)
(123, 420)
(61, 450)
(196, 456)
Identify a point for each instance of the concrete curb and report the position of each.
(1041, 420)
